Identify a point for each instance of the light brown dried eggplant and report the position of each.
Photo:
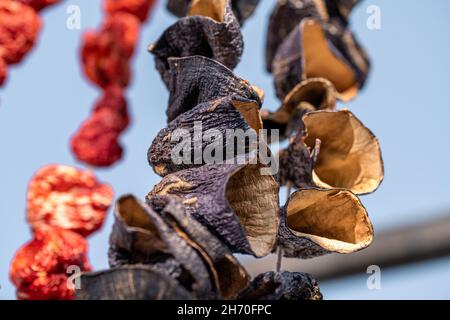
(139, 231)
(237, 202)
(316, 222)
(243, 9)
(230, 276)
(197, 79)
(208, 130)
(283, 286)
(350, 155)
(316, 46)
(130, 283)
(210, 30)
(309, 95)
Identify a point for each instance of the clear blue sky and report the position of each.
(406, 103)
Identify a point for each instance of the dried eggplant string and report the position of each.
(106, 58)
(20, 26)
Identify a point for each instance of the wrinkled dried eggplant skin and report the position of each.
(203, 190)
(220, 115)
(198, 35)
(197, 79)
(232, 277)
(130, 283)
(340, 9)
(242, 9)
(283, 286)
(139, 245)
(285, 16)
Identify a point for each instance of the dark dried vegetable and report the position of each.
(315, 47)
(315, 222)
(283, 286)
(349, 156)
(130, 283)
(236, 202)
(230, 276)
(142, 235)
(211, 30)
(213, 128)
(194, 80)
(309, 95)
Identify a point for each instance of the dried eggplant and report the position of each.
(243, 9)
(316, 222)
(350, 155)
(197, 79)
(237, 202)
(206, 134)
(130, 283)
(309, 95)
(147, 238)
(231, 277)
(210, 30)
(283, 286)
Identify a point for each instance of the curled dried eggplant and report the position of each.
(210, 30)
(316, 46)
(130, 283)
(283, 286)
(197, 79)
(315, 222)
(309, 95)
(140, 234)
(350, 155)
(230, 276)
(212, 132)
(243, 9)
(237, 202)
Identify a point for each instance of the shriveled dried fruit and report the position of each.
(194, 80)
(283, 286)
(316, 47)
(19, 28)
(39, 268)
(97, 140)
(242, 9)
(130, 283)
(145, 237)
(211, 31)
(315, 222)
(230, 277)
(212, 126)
(105, 53)
(349, 156)
(39, 4)
(309, 95)
(237, 202)
(138, 8)
(68, 198)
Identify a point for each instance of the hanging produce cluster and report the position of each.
(64, 205)
(106, 58)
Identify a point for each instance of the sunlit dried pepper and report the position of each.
(39, 269)
(68, 198)
(138, 8)
(97, 140)
(19, 28)
(39, 4)
(106, 53)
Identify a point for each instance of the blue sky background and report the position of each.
(405, 103)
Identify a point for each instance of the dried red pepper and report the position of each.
(39, 269)
(3, 71)
(68, 198)
(19, 27)
(39, 4)
(139, 8)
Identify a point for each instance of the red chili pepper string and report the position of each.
(106, 58)
(20, 25)
(64, 205)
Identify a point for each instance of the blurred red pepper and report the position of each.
(39, 4)
(139, 8)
